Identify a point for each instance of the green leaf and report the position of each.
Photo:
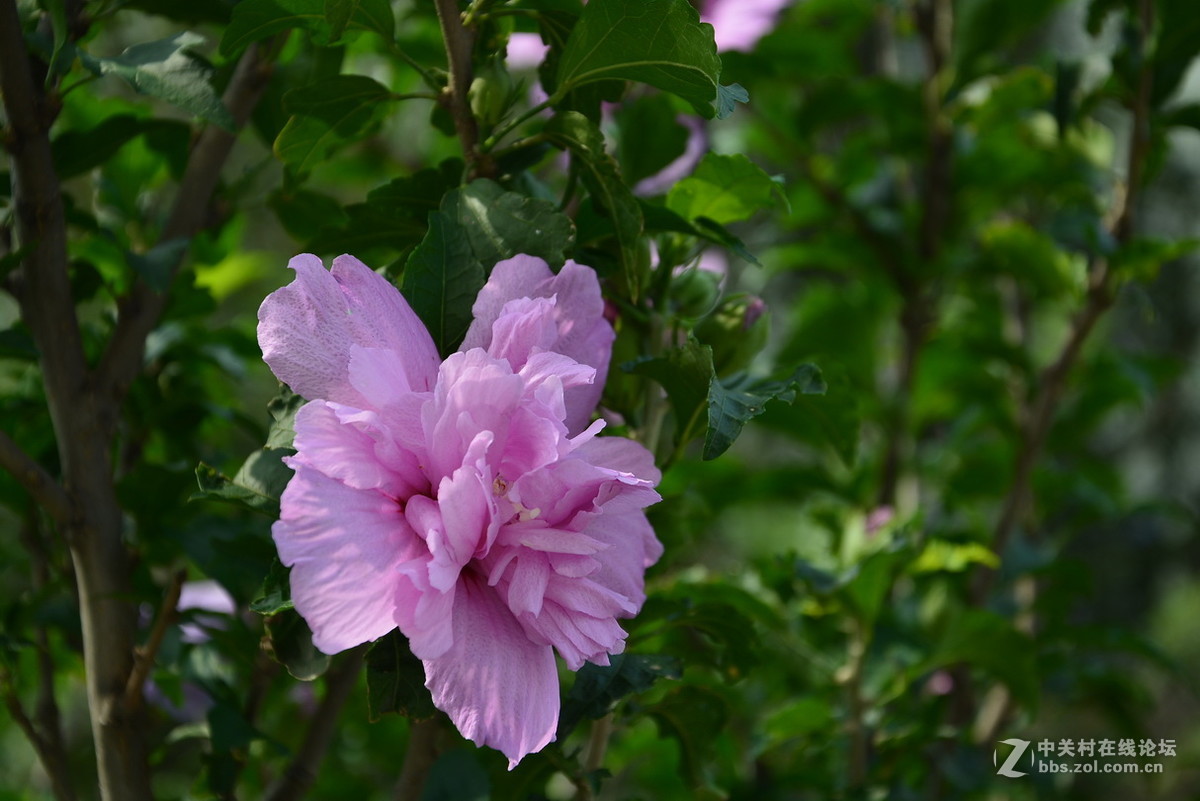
(641, 155)
(658, 42)
(501, 224)
(292, 646)
(276, 593)
(442, 278)
(77, 150)
(164, 69)
(733, 403)
(157, 265)
(575, 133)
(457, 776)
(257, 19)
(598, 687)
(728, 97)
(327, 115)
(303, 211)
(723, 189)
(257, 485)
(953, 557)
(694, 716)
(686, 373)
(396, 680)
(283, 408)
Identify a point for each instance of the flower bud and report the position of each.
(694, 292)
(736, 331)
(490, 93)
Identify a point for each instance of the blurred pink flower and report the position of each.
(463, 501)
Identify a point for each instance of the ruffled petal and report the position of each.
(499, 688)
(344, 547)
(306, 329)
(583, 333)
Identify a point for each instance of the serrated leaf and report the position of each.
(733, 403)
(723, 189)
(658, 42)
(396, 680)
(575, 133)
(327, 115)
(257, 485)
(276, 593)
(598, 687)
(292, 646)
(501, 224)
(253, 20)
(442, 278)
(164, 69)
(728, 97)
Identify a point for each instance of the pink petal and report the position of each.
(344, 547)
(526, 50)
(739, 24)
(345, 443)
(308, 328)
(499, 688)
(583, 333)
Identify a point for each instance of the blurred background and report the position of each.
(979, 227)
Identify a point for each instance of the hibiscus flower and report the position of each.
(467, 501)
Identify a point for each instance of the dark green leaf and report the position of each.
(501, 224)
(396, 680)
(442, 278)
(731, 404)
(574, 132)
(694, 716)
(457, 776)
(686, 373)
(257, 485)
(598, 687)
(157, 265)
(723, 189)
(276, 593)
(658, 42)
(641, 155)
(164, 69)
(257, 19)
(292, 646)
(327, 115)
(303, 211)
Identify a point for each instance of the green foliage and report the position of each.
(396, 680)
(970, 215)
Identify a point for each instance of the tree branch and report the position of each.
(80, 421)
(302, 772)
(460, 42)
(144, 658)
(140, 311)
(422, 752)
(40, 485)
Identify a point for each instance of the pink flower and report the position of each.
(463, 501)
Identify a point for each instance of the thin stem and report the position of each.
(144, 657)
(516, 122)
(422, 752)
(460, 43)
(428, 77)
